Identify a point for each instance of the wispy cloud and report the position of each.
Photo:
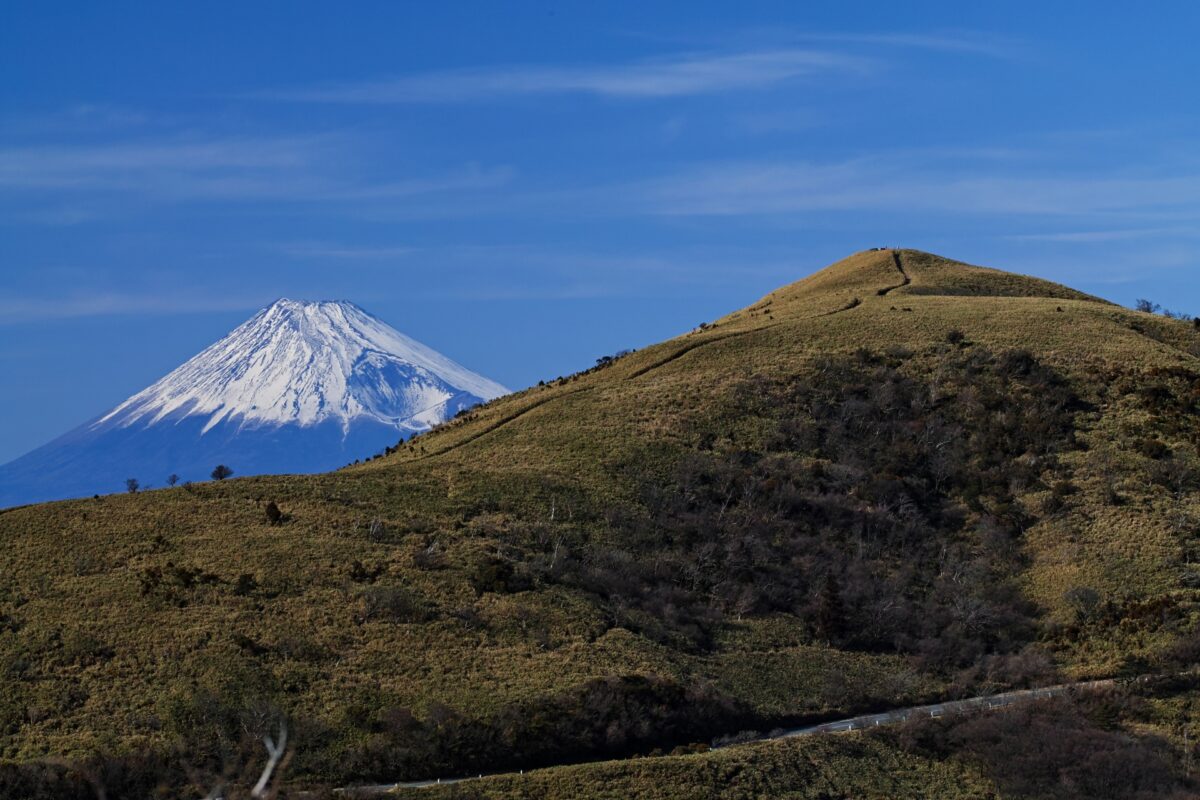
(897, 184)
(299, 169)
(466, 178)
(952, 42)
(347, 252)
(470, 272)
(57, 216)
(655, 78)
(65, 166)
(1099, 236)
(77, 119)
(769, 121)
(137, 164)
(17, 310)
(486, 270)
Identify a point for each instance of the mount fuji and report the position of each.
(299, 387)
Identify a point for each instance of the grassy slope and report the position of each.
(95, 662)
(798, 769)
(1131, 742)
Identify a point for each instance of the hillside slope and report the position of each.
(901, 478)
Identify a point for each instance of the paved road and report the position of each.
(934, 710)
(838, 726)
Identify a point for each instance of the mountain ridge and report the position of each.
(835, 294)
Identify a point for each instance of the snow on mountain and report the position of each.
(304, 363)
(299, 387)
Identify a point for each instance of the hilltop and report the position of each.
(898, 479)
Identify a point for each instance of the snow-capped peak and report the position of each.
(304, 363)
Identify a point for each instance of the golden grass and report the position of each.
(547, 455)
(798, 769)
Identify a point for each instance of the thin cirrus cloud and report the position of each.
(620, 272)
(67, 166)
(1100, 236)
(786, 187)
(345, 252)
(657, 78)
(16, 310)
(961, 42)
(283, 169)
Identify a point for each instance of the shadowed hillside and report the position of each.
(900, 478)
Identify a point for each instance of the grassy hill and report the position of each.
(900, 478)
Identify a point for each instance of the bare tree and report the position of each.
(229, 784)
(172, 479)
(221, 472)
(132, 485)
(275, 752)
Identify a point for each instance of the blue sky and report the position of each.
(527, 186)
